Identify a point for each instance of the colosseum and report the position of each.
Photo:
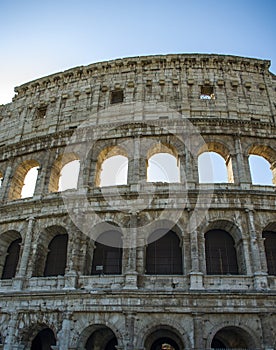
(144, 248)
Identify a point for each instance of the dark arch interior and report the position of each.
(12, 258)
(57, 256)
(270, 251)
(44, 340)
(103, 339)
(163, 339)
(164, 344)
(230, 338)
(221, 257)
(164, 253)
(108, 254)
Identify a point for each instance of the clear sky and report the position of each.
(38, 38)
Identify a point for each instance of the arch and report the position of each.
(269, 154)
(220, 252)
(57, 256)
(164, 253)
(269, 235)
(163, 164)
(215, 157)
(10, 244)
(163, 337)
(232, 337)
(69, 176)
(263, 177)
(98, 337)
(108, 251)
(43, 253)
(57, 167)
(19, 177)
(44, 340)
(112, 167)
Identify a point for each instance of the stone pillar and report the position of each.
(19, 280)
(241, 171)
(63, 337)
(191, 170)
(130, 332)
(247, 259)
(133, 164)
(260, 278)
(43, 179)
(4, 191)
(131, 270)
(10, 343)
(198, 330)
(196, 276)
(268, 331)
(71, 276)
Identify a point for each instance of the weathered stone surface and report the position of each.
(68, 116)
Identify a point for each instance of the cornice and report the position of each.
(145, 63)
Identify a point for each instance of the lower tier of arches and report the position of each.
(130, 329)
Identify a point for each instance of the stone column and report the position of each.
(63, 337)
(4, 191)
(131, 270)
(130, 332)
(198, 331)
(44, 173)
(267, 330)
(27, 244)
(10, 343)
(196, 276)
(191, 170)
(71, 276)
(137, 169)
(240, 166)
(247, 259)
(260, 278)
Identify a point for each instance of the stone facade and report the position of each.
(137, 107)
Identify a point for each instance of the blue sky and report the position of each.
(39, 38)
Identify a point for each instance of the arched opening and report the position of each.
(24, 180)
(262, 164)
(164, 253)
(10, 245)
(12, 258)
(212, 168)
(114, 171)
(270, 251)
(261, 173)
(112, 167)
(101, 338)
(163, 167)
(29, 183)
(57, 256)
(69, 176)
(44, 340)
(108, 251)
(220, 251)
(64, 176)
(163, 339)
(232, 338)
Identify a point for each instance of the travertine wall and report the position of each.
(68, 116)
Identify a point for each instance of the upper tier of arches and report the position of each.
(166, 160)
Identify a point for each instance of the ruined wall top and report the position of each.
(178, 61)
(238, 88)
